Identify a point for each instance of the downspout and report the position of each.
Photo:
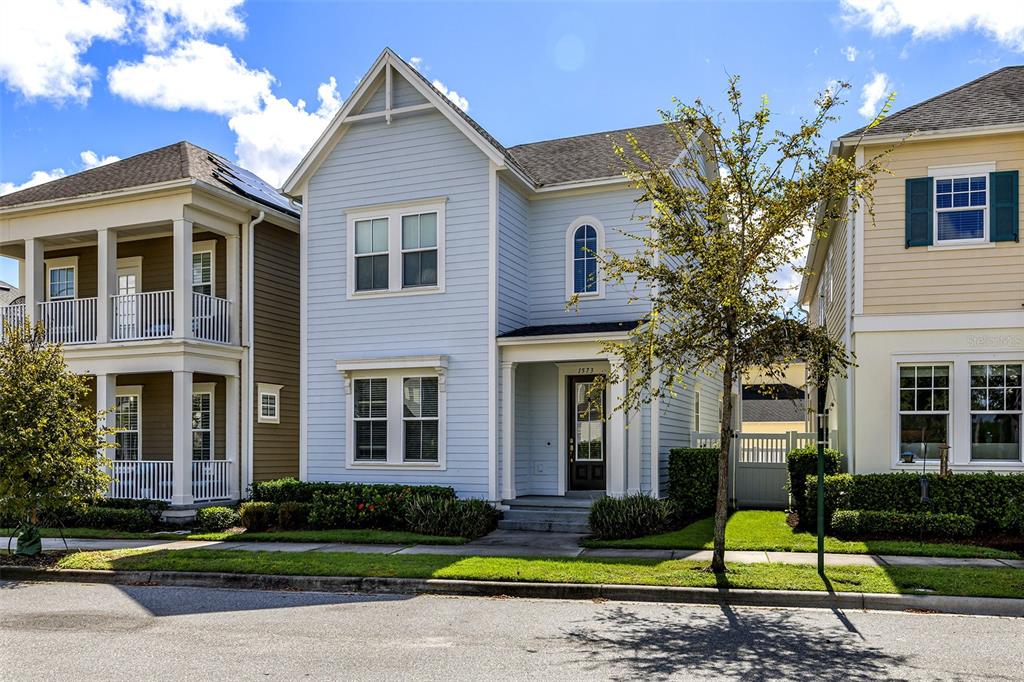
(250, 308)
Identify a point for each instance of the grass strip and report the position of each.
(966, 581)
(357, 536)
(768, 531)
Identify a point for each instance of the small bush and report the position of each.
(155, 508)
(111, 518)
(1012, 521)
(851, 523)
(450, 517)
(293, 515)
(216, 518)
(632, 516)
(692, 482)
(257, 516)
(803, 462)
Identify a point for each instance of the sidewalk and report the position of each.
(525, 544)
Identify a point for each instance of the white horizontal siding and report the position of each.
(513, 261)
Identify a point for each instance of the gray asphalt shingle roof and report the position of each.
(996, 98)
(774, 411)
(174, 162)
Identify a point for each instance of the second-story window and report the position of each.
(372, 254)
(202, 272)
(62, 283)
(584, 241)
(419, 250)
(396, 249)
(961, 204)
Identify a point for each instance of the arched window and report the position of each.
(585, 239)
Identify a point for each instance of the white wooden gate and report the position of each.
(758, 465)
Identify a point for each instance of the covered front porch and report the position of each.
(559, 439)
(177, 438)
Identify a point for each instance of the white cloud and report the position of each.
(850, 52)
(161, 22)
(42, 43)
(271, 141)
(37, 178)
(416, 62)
(194, 75)
(457, 99)
(91, 159)
(872, 94)
(1003, 20)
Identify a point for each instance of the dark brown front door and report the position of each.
(586, 435)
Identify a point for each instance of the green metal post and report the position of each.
(822, 435)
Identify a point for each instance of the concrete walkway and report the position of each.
(526, 544)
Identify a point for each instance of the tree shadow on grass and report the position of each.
(747, 644)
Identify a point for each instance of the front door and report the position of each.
(586, 434)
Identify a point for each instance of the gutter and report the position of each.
(250, 307)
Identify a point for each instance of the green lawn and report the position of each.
(768, 531)
(358, 536)
(972, 582)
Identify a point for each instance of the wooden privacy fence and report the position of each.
(758, 465)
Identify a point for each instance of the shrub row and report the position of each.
(986, 497)
(433, 515)
(859, 523)
(216, 518)
(692, 482)
(293, 490)
(632, 516)
(803, 462)
(132, 520)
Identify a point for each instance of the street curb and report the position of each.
(975, 606)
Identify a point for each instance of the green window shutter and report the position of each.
(1004, 214)
(918, 225)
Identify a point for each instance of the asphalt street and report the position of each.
(77, 631)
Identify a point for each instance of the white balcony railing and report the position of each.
(211, 318)
(69, 321)
(141, 480)
(211, 479)
(12, 315)
(148, 315)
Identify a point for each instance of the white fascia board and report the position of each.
(96, 196)
(398, 362)
(553, 338)
(934, 134)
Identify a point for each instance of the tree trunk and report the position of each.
(725, 444)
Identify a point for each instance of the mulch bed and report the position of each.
(44, 560)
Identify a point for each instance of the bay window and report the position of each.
(995, 411)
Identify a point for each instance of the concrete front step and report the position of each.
(544, 526)
(545, 519)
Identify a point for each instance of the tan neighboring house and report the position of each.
(172, 280)
(771, 405)
(928, 294)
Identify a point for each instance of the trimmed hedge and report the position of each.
(632, 516)
(293, 490)
(155, 508)
(293, 515)
(216, 518)
(692, 482)
(257, 516)
(433, 515)
(111, 518)
(985, 497)
(852, 523)
(803, 462)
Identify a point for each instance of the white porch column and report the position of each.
(633, 432)
(183, 280)
(106, 281)
(233, 286)
(616, 435)
(106, 397)
(231, 431)
(34, 283)
(508, 433)
(181, 438)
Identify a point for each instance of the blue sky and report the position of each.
(83, 82)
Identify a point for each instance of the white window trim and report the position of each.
(395, 370)
(123, 391)
(394, 213)
(949, 411)
(959, 412)
(273, 390)
(696, 408)
(210, 246)
(971, 412)
(570, 261)
(209, 388)
(58, 263)
(937, 173)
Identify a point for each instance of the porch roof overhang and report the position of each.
(570, 332)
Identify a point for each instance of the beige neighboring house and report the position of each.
(773, 406)
(172, 280)
(8, 293)
(929, 293)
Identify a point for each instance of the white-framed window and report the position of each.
(584, 242)
(396, 409)
(269, 403)
(202, 422)
(995, 411)
(924, 409)
(61, 278)
(370, 419)
(128, 421)
(696, 410)
(421, 428)
(396, 249)
(960, 203)
(204, 260)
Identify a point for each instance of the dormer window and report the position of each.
(584, 241)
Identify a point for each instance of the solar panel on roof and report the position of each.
(251, 185)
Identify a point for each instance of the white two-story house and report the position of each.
(171, 278)
(437, 347)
